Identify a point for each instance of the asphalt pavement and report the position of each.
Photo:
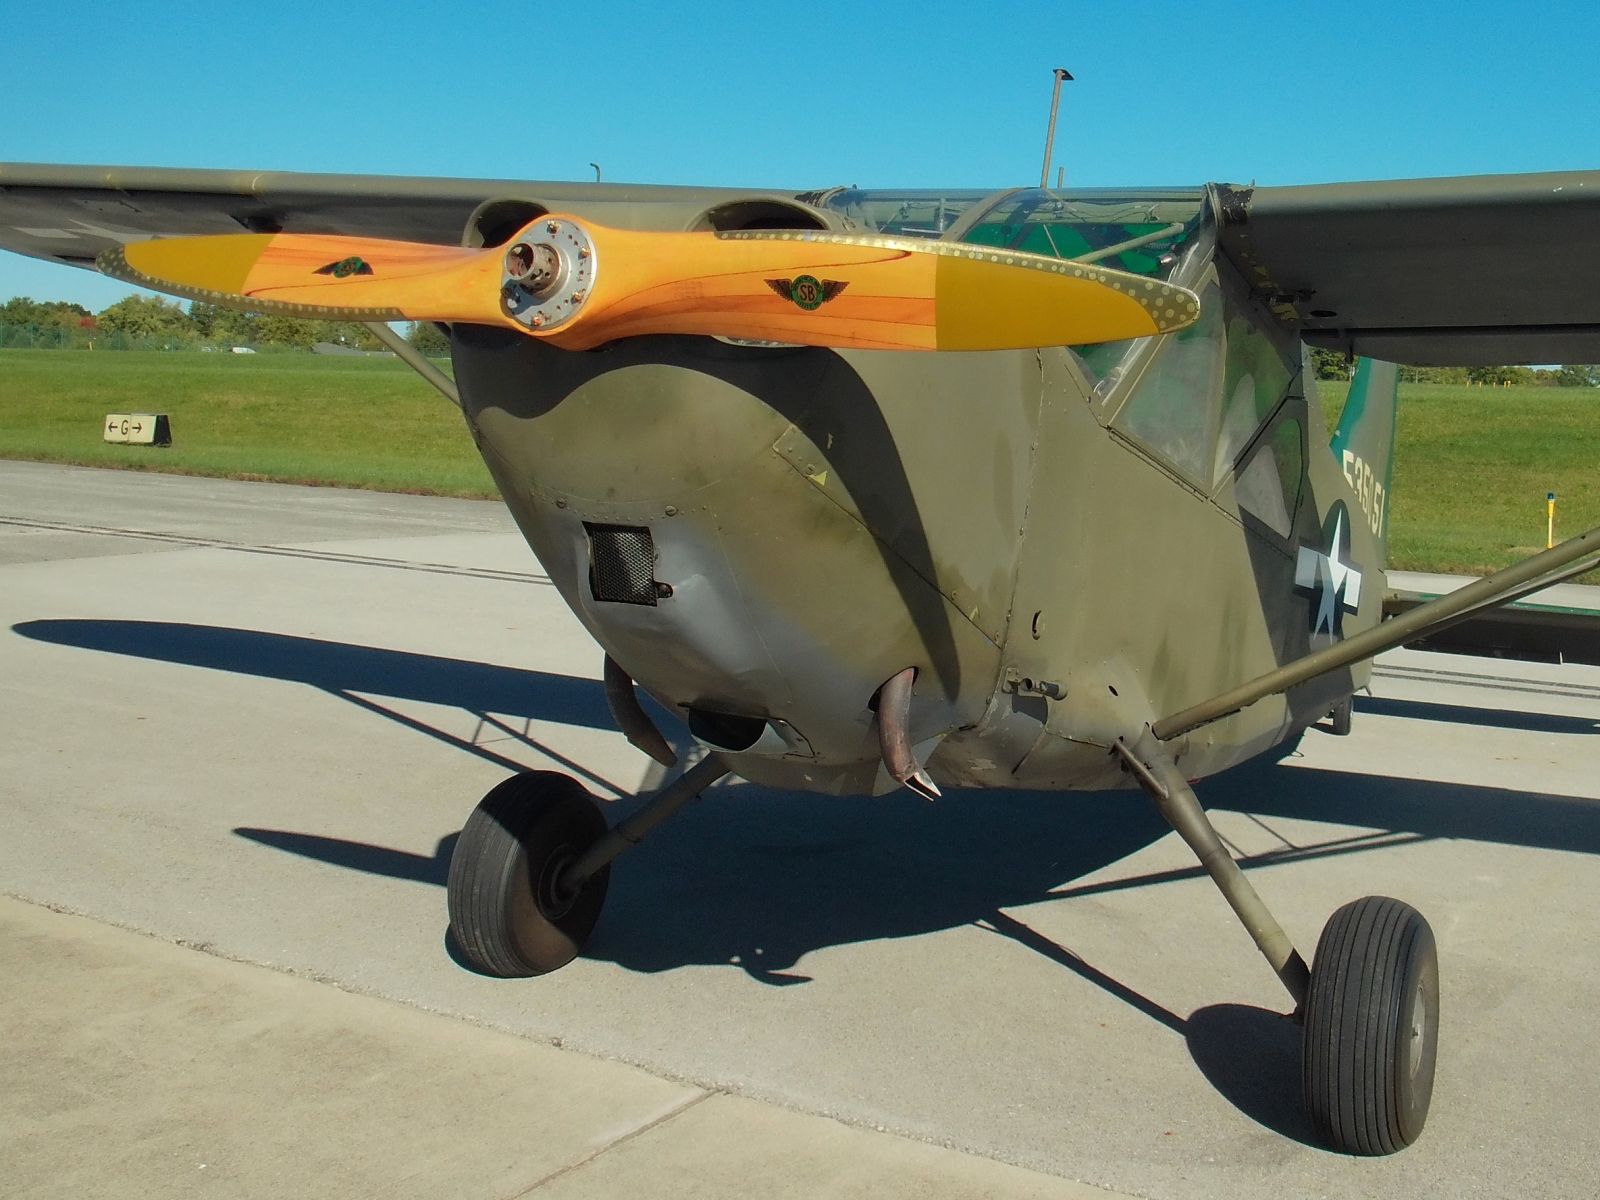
(241, 723)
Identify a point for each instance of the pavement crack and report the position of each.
(670, 1115)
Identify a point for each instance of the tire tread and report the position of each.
(486, 861)
(1354, 1049)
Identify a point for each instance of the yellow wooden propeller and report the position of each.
(578, 285)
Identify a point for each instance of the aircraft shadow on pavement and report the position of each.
(1252, 1057)
(340, 667)
(356, 673)
(758, 879)
(1463, 714)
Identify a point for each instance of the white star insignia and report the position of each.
(1337, 583)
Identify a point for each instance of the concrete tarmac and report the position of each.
(247, 719)
(136, 1067)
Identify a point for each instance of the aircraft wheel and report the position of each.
(506, 912)
(1341, 716)
(1371, 1027)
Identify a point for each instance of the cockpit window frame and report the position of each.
(970, 208)
(1156, 212)
(1110, 389)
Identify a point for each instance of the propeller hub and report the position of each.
(546, 273)
(535, 268)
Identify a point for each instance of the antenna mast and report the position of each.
(1062, 75)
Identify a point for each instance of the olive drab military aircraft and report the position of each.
(875, 489)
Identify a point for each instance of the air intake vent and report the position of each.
(622, 563)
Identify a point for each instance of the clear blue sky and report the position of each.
(930, 94)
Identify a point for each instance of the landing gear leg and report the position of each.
(1153, 767)
(529, 874)
(1369, 1007)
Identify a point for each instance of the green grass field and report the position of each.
(1473, 467)
(296, 418)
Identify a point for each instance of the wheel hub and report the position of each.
(553, 901)
(1418, 1022)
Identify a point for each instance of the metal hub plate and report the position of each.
(573, 282)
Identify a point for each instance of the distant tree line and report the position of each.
(1331, 364)
(431, 339)
(149, 322)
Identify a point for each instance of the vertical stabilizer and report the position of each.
(1363, 444)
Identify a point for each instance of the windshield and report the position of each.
(1141, 233)
(911, 213)
(1144, 232)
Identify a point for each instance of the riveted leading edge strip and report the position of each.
(1169, 306)
(114, 262)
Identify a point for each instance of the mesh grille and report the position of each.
(622, 563)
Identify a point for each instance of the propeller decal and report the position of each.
(808, 292)
(345, 267)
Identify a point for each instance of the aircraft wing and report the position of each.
(1486, 269)
(69, 214)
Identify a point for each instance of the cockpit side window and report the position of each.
(1268, 485)
(1257, 379)
(1172, 408)
(1261, 443)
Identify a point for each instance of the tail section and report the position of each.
(1364, 442)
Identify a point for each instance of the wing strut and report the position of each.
(1500, 588)
(416, 360)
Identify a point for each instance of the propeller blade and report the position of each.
(580, 285)
(839, 290)
(316, 275)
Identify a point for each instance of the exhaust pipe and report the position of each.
(631, 718)
(894, 738)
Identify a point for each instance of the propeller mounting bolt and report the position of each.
(536, 320)
(552, 227)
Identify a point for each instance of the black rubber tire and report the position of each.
(504, 914)
(1342, 713)
(1371, 1034)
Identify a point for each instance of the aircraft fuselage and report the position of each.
(762, 536)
